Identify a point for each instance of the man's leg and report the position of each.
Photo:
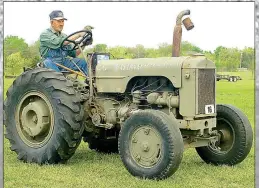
(81, 63)
(50, 65)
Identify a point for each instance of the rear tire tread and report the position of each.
(64, 143)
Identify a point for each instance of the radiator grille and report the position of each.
(206, 89)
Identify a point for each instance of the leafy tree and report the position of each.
(139, 51)
(165, 50)
(13, 44)
(14, 63)
(217, 51)
(188, 48)
(210, 56)
(152, 53)
(225, 59)
(100, 48)
(118, 52)
(247, 57)
(130, 52)
(33, 55)
(229, 59)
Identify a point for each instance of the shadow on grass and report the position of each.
(85, 155)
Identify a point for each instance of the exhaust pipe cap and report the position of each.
(188, 24)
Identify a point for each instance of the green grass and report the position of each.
(90, 169)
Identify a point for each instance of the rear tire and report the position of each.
(236, 138)
(151, 145)
(49, 97)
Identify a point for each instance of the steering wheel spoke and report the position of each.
(76, 43)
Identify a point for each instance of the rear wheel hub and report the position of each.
(34, 119)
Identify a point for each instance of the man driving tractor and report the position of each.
(59, 50)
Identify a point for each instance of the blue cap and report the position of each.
(57, 15)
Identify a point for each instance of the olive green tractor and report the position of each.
(147, 109)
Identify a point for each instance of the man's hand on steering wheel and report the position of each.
(88, 28)
(71, 43)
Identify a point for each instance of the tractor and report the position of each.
(149, 110)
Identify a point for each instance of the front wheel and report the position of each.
(151, 145)
(235, 135)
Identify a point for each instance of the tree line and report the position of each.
(19, 54)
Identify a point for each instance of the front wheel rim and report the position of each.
(226, 137)
(146, 146)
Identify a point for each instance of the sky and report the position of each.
(228, 24)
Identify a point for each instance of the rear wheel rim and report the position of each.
(146, 146)
(34, 119)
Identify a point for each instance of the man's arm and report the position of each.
(87, 28)
(75, 53)
(51, 40)
(84, 45)
(78, 51)
(48, 40)
(74, 37)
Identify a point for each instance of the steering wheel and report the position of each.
(76, 43)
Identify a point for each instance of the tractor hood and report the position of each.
(114, 75)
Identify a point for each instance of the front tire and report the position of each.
(43, 117)
(236, 138)
(151, 145)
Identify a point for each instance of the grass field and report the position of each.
(90, 169)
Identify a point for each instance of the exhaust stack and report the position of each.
(178, 31)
